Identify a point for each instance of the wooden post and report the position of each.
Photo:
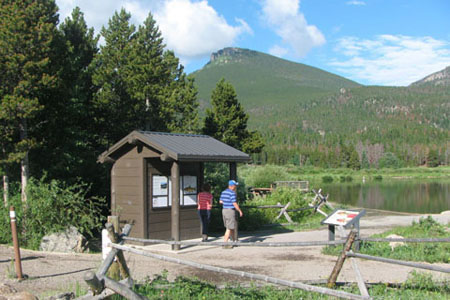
(95, 284)
(340, 262)
(331, 231)
(359, 279)
(123, 268)
(357, 242)
(110, 258)
(5, 190)
(175, 211)
(114, 220)
(15, 238)
(233, 171)
(122, 289)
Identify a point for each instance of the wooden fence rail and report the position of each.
(407, 240)
(265, 278)
(102, 286)
(247, 244)
(399, 262)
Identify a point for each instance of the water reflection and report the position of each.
(394, 195)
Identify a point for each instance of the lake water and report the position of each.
(414, 196)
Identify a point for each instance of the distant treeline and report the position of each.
(362, 127)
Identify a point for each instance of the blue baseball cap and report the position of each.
(232, 182)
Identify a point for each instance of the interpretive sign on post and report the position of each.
(343, 217)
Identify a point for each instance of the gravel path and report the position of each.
(53, 273)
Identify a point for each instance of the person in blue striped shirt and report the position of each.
(229, 201)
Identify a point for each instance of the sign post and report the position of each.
(345, 218)
(17, 261)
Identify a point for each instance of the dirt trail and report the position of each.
(53, 273)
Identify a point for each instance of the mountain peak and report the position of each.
(440, 78)
(229, 54)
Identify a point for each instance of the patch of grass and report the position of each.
(428, 252)
(418, 286)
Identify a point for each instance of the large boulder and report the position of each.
(68, 241)
(395, 244)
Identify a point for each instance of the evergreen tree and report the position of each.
(227, 120)
(364, 161)
(27, 31)
(69, 148)
(114, 107)
(142, 86)
(433, 158)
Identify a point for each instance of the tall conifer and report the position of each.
(27, 30)
(227, 120)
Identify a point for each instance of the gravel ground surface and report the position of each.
(53, 273)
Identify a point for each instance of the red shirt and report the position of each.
(204, 200)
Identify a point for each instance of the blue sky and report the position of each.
(374, 42)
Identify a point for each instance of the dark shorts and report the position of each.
(229, 218)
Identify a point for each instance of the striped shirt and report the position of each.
(204, 200)
(228, 197)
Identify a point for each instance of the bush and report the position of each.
(327, 179)
(52, 207)
(265, 176)
(378, 177)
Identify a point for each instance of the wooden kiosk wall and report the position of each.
(131, 195)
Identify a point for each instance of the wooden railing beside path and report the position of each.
(102, 286)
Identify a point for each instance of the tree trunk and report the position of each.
(24, 163)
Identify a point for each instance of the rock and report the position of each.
(395, 244)
(6, 289)
(7, 292)
(445, 212)
(68, 241)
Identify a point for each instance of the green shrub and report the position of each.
(265, 176)
(348, 178)
(52, 207)
(327, 179)
(378, 177)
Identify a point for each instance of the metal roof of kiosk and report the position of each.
(179, 147)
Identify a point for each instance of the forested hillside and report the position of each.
(308, 116)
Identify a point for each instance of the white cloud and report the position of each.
(278, 51)
(354, 2)
(191, 28)
(391, 59)
(284, 17)
(195, 29)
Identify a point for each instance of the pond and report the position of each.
(413, 196)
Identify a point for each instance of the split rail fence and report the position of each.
(102, 286)
(316, 204)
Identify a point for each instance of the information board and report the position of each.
(343, 217)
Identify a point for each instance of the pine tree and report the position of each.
(69, 148)
(27, 31)
(142, 86)
(227, 120)
(113, 104)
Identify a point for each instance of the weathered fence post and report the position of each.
(15, 238)
(359, 279)
(340, 262)
(124, 271)
(95, 284)
(283, 211)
